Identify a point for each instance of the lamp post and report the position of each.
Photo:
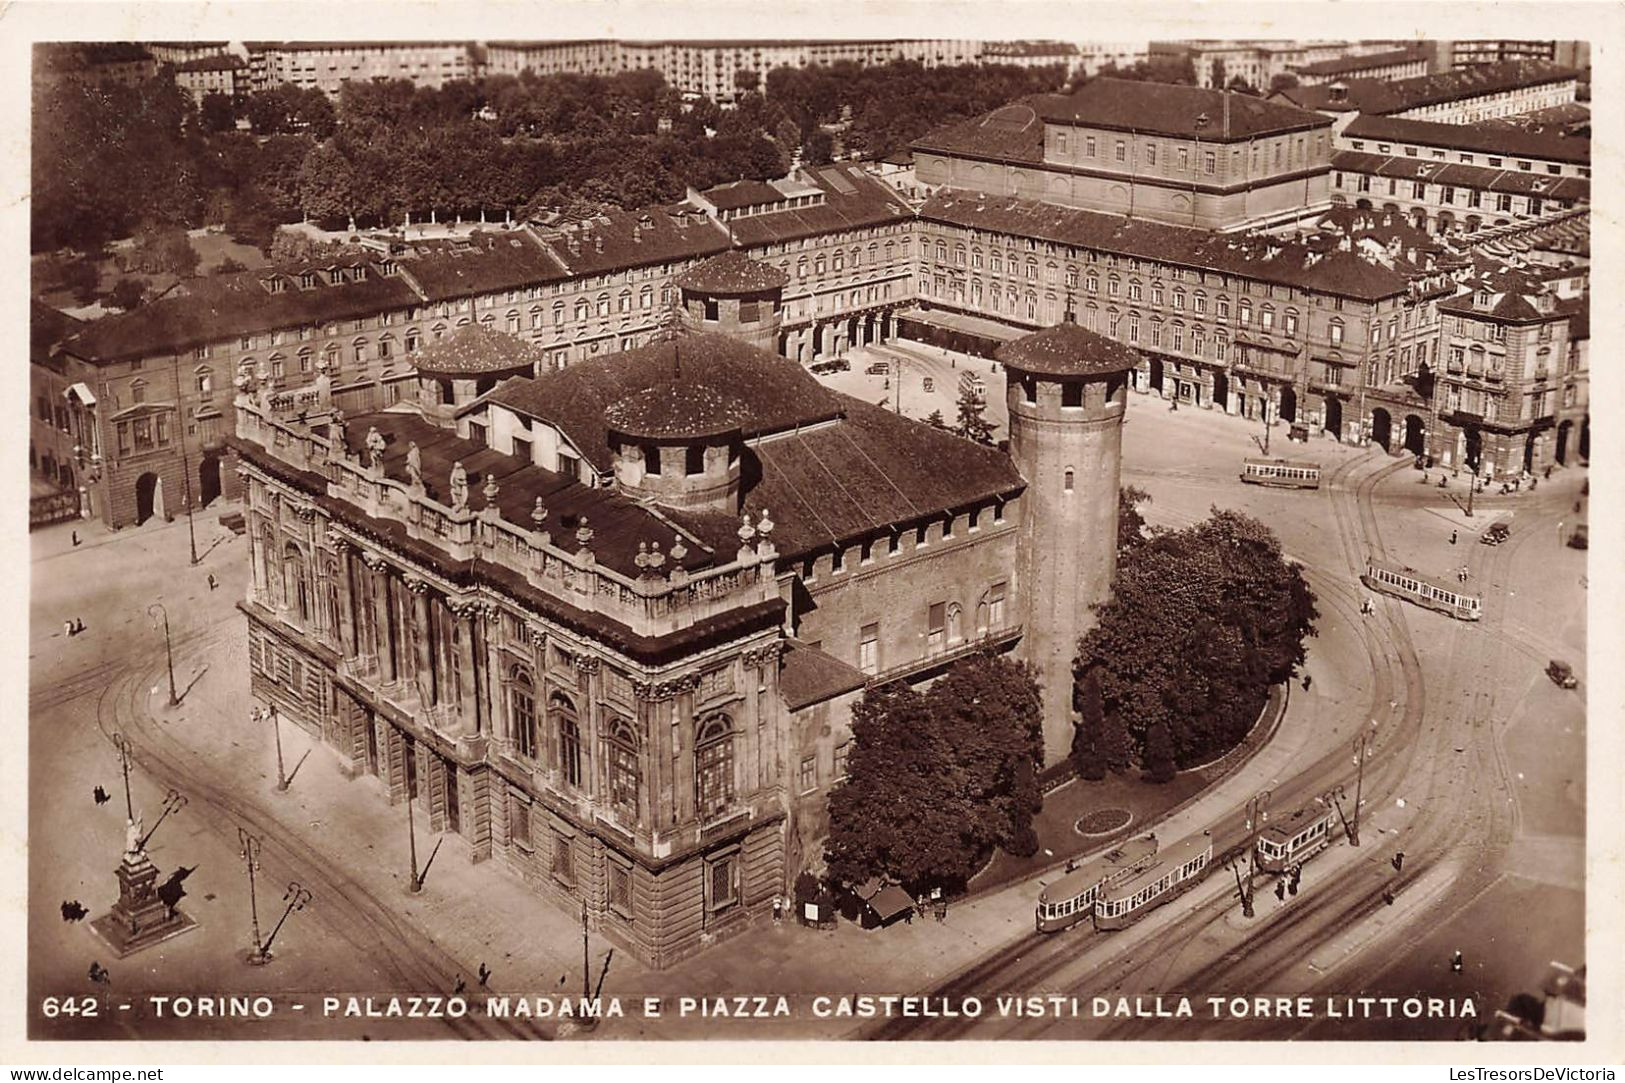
(186, 465)
(1362, 752)
(1258, 814)
(169, 651)
(173, 802)
(416, 883)
(276, 730)
(250, 848)
(122, 743)
(296, 897)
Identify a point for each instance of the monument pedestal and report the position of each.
(140, 918)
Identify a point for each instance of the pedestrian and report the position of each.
(1452, 535)
(485, 975)
(99, 974)
(1399, 861)
(1388, 897)
(1576, 507)
(778, 909)
(460, 986)
(213, 582)
(1307, 680)
(78, 625)
(1280, 890)
(76, 539)
(1456, 962)
(67, 627)
(1548, 473)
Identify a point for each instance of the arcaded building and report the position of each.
(605, 623)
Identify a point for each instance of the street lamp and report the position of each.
(186, 465)
(1362, 752)
(276, 729)
(173, 802)
(169, 651)
(1257, 815)
(250, 847)
(122, 743)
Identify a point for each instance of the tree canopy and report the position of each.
(1201, 622)
(936, 779)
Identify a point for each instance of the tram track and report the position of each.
(350, 910)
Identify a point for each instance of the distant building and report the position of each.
(221, 74)
(1033, 54)
(1095, 55)
(1462, 54)
(1396, 64)
(1155, 151)
(1465, 96)
(1256, 63)
(327, 65)
(96, 63)
(179, 52)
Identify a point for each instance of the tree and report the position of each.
(819, 149)
(746, 81)
(229, 266)
(127, 294)
(1241, 86)
(1284, 80)
(1159, 753)
(78, 276)
(934, 419)
(165, 250)
(1216, 76)
(1201, 621)
(216, 113)
(936, 779)
(1130, 523)
(1086, 738)
(973, 423)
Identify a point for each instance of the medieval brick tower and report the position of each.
(1067, 390)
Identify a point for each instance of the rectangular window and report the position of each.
(518, 819)
(842, 750)
(563, 858)
(869, 648)
(619, 888)
(937, 626)
(808, 777)
(1121, 151)
(722, 882)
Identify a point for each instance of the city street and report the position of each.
(1521, 741)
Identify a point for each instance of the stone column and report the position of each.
(420, 620)
(381, 622)
(466, 691)
(346, 613)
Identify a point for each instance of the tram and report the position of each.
(1297, 838)
(1071, 899)
(1121, 902)
(1281, 473)
(1402, 582)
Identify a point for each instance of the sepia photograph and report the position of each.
(1042, 537)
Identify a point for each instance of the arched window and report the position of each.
(138, 391)
(522, 711)
(621, 754)
(265, 578)
(563, 713)
(1068, 480)
(205, 380)
(295, 585)
(956, 622)
(713, 766)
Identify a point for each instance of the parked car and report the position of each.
(878, 368)
(1561, 673)
(1581, 538)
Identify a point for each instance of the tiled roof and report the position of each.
(733, 272)
(1171, 109)
(47, 326)
(1547, 145)
(808, 675)
(476, 349)
(212, 308)
(1066, 350)
(487, 261)
(676, 410)
(619, 240)
(226, 62)
(1265, 259)
(871, 471)
(1489, 179)
(1342, 64)
(1010, 133)
(778, 394)
(745, 193)
(852, 199)
(618, 523)
(1568, 232)
(1512, 307)
(1397, 96)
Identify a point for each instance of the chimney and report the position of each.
(597, 242)
(1339, 92)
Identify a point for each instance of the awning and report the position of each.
(81, 392)
(890, 901)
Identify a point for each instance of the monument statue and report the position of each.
(375, 448)
(459, 487)
(132, 838)
(414, 464)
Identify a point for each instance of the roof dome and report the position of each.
(733, 272)
(672, 410)
(1066, 350)
(477, 350)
